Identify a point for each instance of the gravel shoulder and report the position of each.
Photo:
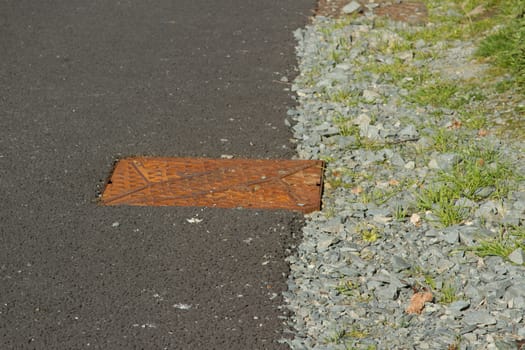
(421, 240)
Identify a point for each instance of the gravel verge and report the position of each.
(423, 197)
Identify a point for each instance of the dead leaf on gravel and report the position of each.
(417, 302)
(415, 220)
(456, 124)
(393, 182)
(479, 10)
(482, 132)
(357, 190)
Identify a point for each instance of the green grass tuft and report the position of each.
(509, 239)
(448, 294)
(441, 200)
(506, 47)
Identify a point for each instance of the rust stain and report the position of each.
(224, 183)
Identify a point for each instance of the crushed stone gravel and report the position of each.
(371, 248)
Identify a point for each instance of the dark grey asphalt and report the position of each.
(84, 82)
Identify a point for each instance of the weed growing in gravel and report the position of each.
(445, 140)
(400, 213)
(448, 294)
(496, 247)
(334, 182)
(310, 76)
(398, 72)
(434, 33)
(428, 278)
(506, 47)
(430, 281)
(368, 232)
(451, 215)
(441, 200)
(344, 21)
(346, 288)
(330, 213)
(345, 125)
(381, 196)
(327, 158)
(347, 129)
(435, 94)
(345, 97)
(343, 336)
(344, 44)
(474, 119)
(337, 337)
(448, 94)
(509, 239)
(479, 173)
(452, 19)
(336, 56)
(358, 333)
(456, 345)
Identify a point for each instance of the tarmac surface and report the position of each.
(83, 83)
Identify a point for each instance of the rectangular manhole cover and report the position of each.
(224, 183)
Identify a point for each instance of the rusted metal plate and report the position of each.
(224, 183)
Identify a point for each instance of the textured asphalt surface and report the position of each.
(85, 82)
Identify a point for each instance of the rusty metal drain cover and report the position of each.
(224, 183)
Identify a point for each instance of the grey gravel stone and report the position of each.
(324, 244)
(444, 161)
(479, 318)
(516, 303)
(517, 256)
(471, 235)
(521, 332)
(370, 96)
(351, 7)
(399, 264)
(386, 293)
(459, 305)
(505, 344)
(484, 192)
(409, 132)
(489, 210)
(451, 236)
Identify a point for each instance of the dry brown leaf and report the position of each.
(456, 124)
(479, 10)
(357, 190)
(415, 219)
(417, 302)
(393, 182)
(482, 132)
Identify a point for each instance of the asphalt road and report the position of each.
(85, 82)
